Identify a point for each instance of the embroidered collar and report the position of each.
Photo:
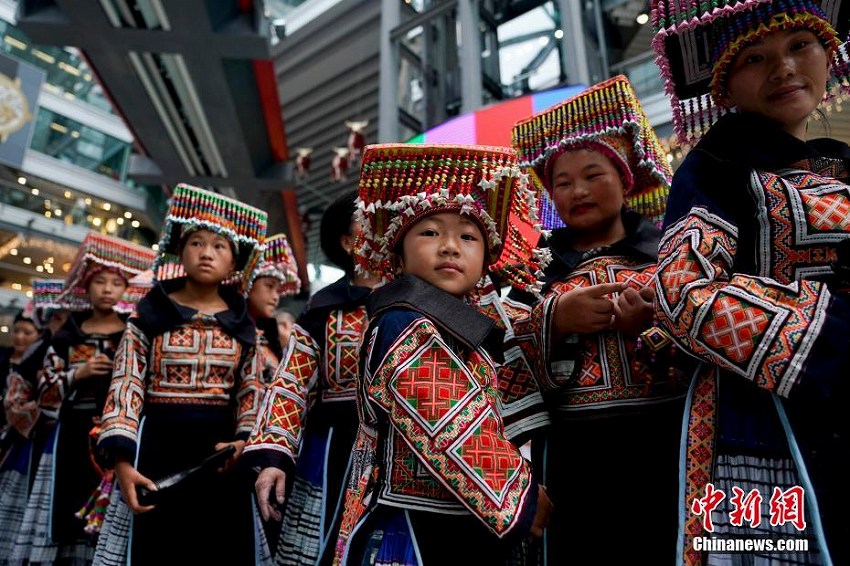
(451, 314)
(72, 333)
(158, 313)
(641, 240)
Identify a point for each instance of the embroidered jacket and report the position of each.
(744, 276)
(172, 355)
(319, 367)
(69, 349)
(599, 370)
(431, 435)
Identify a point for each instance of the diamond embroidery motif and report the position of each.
(493, 461)
(434, 384)
(827, 212)
(735, 328)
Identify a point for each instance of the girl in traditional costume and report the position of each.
(750, 276)
(616, 418)
(186, 385)
(71, 389)
(316, 383)
(434, 479)
(18, 370)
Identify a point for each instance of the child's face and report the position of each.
(263, 298)
(105, 289)
(587, 190)
(207, 257)
(781, 76)
(446, 250)
(24, 333)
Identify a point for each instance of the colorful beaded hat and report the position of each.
(137, 288)
(46, 293)
(696, 41)
(402, 183)
(278, 262)
(191, 208)
(606, 118)
(99, 252)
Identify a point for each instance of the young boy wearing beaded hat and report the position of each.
(616, 420)
(748, 270)
(186, 385)
(434, 480)
(71, 390)
(316, 383)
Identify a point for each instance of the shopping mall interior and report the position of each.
(107, 105)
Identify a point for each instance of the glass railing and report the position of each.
(67, 72)
(75, 209)
(70, 141)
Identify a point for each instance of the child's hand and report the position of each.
(585, 310)
(544, 510)
(94, 366)
(270, 483)
(230, 462)
(128, 479)
(634, 310)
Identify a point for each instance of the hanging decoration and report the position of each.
(339, 164)
(302, 161)
(356, 139)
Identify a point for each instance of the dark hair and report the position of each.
(336, 223)
(21, 316)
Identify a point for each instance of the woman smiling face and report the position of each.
(781, 76)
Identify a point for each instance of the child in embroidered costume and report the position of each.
(434, 479)
(185, 385)
(601, 165)
(275, 277)
(18, 369)
(315, 383)
(71, 390)
(746, 269)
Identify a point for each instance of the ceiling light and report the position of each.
(559, 34)
(34, 192)
(22, 180)
(135, 223)
(107, 206)
(13, 251)
(128, 215)
(642, 18)
(120, 221)
(27, 260)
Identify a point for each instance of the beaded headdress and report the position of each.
(606, 118)
(99, 252)
(137, 288)
(278, 262)
(696, 41)
(46, 293)
(191, 208)
(402, 183)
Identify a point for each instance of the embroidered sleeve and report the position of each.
(250, 390)
(520, 394)
(753, 326)
(554, 365)
(126, 396)
(445, 409)
(54, 382)
(277, 432)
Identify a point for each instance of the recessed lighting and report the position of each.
(22, 180)
(13, 251)
(559, 34)
(4, 329)
(155, 247)
(128, 215)
(27, 260)
(58, 212)
(29, 294)
(107, 206)
(135, 223)
(119, 221)
(68, 194)
(34, 192)
(88, 201)
(16, 286)
(642, 18)
(39, 268)
(96, 221)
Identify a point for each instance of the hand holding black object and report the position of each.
(148, 496)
